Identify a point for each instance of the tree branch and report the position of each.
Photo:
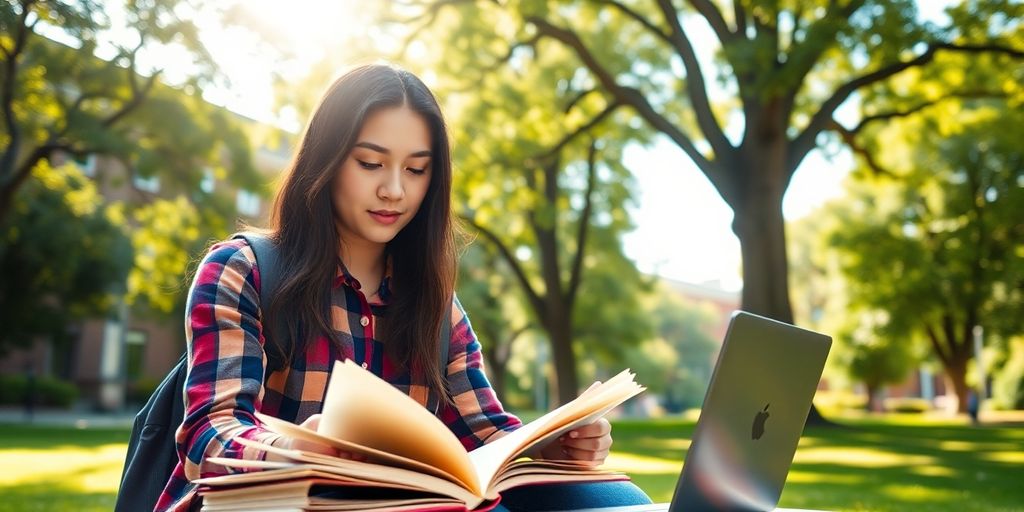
(547, 235)
(695, 87)
(532, 42)
(578, 98)
(425, 19)
(741, 18)
(504, 349)
(7, 94)
(581, 231)
(584, 128)
(517, 269)
(821, 119)
(627, 95)
(138, 97)
(885, 116)
(639, 18)
(713, 16)
(849, 137)
(802, 57)
(940, 351)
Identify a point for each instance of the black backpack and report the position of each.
(152, 454)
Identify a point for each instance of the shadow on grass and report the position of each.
(57, 496)
(874, 466)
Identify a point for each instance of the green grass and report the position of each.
(51, 469)
(895, 463)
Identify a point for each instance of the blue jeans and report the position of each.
(551, 497)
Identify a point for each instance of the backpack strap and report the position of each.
(445, 343)
(446, 335)
(267, 260)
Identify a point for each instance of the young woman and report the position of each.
(367, 258)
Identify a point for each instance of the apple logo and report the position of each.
(757, 429)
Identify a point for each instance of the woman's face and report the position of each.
(383, 180)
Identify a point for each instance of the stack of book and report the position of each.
(409, 460)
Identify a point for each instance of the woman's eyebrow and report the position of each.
(381, 149)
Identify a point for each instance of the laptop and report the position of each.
(752, 418)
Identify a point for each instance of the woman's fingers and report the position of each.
(599, 428)
(596, 457)
(590, 444)
(312, 422)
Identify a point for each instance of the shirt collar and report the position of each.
(343, 277)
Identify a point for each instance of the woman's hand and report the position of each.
(589, 443)
(291, 443)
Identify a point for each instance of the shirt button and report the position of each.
(364, 365)
(364, 321)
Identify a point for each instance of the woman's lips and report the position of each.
(385, 217)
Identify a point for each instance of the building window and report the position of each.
(135, 350)
(146, 183)
(247, 203)
(208, 182)
(87, 164)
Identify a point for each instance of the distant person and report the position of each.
(30, 393)
(973, 405)
(362, 218)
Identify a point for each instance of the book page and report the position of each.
(373, 455)
(361, 408)
(491, 458)
(347, 472)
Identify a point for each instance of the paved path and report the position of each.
(64, 418)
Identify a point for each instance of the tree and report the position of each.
(166, 235)
(546, 190)
(787, 67)
(873, 356)
(486, 289)
(63, 257)
(64, 98)
(934, 241)
(677, 362)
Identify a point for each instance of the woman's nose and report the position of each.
(392, 187)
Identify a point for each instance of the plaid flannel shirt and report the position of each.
(225, 384)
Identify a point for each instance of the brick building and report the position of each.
(115, 361)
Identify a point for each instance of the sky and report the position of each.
(683, 226)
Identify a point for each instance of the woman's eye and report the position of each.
(417, 171)
(368, 165)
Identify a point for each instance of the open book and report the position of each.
(413, 461)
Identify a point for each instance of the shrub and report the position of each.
(13, 389)
(49, 392)
(56, 393)
(913, 405)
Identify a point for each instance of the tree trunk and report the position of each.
(761, 229)
(559, 329)
(496, 368)
(6, 200)
(498, 378)
(956, 378)
(872, 405)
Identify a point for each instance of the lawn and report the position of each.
(871, 464)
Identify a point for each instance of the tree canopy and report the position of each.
(64, 257)
(938, 246)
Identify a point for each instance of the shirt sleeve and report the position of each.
(225, 362)
(478, 417)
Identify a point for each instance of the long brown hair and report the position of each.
(423, 253)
